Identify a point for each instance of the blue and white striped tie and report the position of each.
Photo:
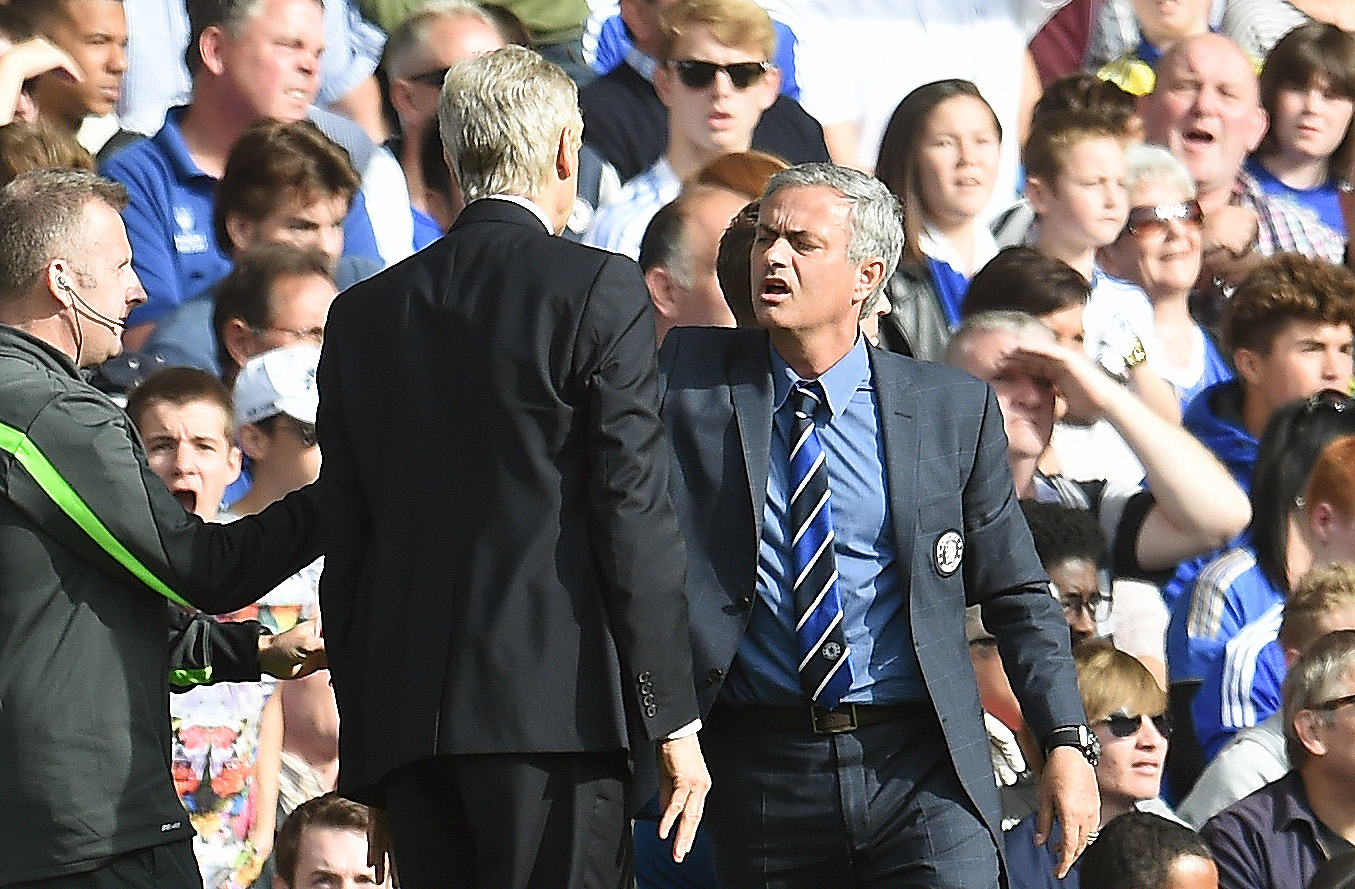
(825, 672)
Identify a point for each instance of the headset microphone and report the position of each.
(113, 324)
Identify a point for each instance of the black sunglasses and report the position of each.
(698, 75)
(1143, 220)
(1122, 725)
(430, 78)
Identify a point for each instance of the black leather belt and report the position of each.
(816, 720)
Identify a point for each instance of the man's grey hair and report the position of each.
(42, 218)
(404, 46)
(501, 117)
(996, 321)
(874, 220)
(1325, 671)
(1153, 163)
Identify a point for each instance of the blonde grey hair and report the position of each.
(1153, 163)
(501, 116)
(994, 321)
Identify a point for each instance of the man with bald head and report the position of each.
(1206, 109)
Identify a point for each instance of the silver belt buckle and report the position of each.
(833, 722)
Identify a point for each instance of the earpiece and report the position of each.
(63, 282)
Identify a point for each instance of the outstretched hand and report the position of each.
(298, 652)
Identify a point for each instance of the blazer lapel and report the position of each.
(895, 395)
(750, 388)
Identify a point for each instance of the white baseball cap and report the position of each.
(280, 381)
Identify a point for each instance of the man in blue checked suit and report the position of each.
(834, 539)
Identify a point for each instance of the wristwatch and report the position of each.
(1078, 736)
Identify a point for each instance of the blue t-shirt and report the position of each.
(1322, 200)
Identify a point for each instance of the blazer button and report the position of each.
(651, 710)
(745, 602)
(643, 677)
(715, 674)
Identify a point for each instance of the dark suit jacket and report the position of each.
(504, 572)
(946, 458)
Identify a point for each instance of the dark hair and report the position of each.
(734, 264)
(1086, 92)
(1283, 288)
(247, 292)
(275, 162)
(896, 165)
(1064, 532)
(331, 811)
(180, 386)
(1137, 850)
(662, 241)
(1285, 458)
(1313, 49)
(1022, 279)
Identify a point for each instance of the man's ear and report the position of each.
(1260, 122)
(242, 233)
(566, 156)
(237, 338)
(1248, 364)
(253, 442)
(56, 274)
(770, 87)
(1321, 516)
(869, 275)
(662, 291)
(1037, 194)
(211, 44)
(400, 93)
(1305, 727)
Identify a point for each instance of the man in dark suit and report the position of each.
(834, 540)
(505, 578)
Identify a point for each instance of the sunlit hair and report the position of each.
(502, 115)
(179, 386)
(1054, 137)
(742, 172)
(734, 23)
(404, 47)
(1153, 163)
(329, 811)
(42, 214)
(1283, 288)
(1112, 680)
(1322, 590)
(1322, 672)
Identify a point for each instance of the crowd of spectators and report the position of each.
(1129, 218)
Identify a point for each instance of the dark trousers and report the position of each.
(512, 821)
(168, 866)
(879, 806)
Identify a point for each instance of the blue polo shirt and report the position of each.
(885, 669)
(169, 220)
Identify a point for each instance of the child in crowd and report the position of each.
(940, 158)
(1308, 91)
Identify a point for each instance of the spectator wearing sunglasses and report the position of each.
(716, 81)
(1280, 835)
(1159, 250)
(1247, 580)
(1126, 710)
(1323, 603)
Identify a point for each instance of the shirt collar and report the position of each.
(938, 246)
(524, 202)
(170, 140)
(839, 382)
